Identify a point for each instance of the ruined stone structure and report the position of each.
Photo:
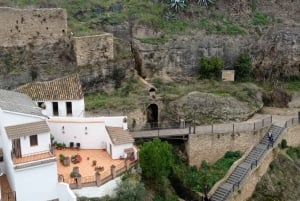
(93, 49)
(20, 27)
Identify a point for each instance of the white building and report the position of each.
(28, 161)
(108, 133)
(26, 128)
(60, 97)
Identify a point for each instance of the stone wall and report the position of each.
(20, 27)
(93, 49)
(211, 147)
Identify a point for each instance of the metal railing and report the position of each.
(185, 129)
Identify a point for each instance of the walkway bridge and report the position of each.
(176, 132)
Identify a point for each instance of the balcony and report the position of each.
(33, 160)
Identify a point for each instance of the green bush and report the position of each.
(283, 144)
(294, 152)
(208, 174)
(242, 67)
(211, 67)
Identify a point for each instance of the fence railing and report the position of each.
(87, 181)
(185, 129)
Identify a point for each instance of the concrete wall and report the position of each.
(20, 27)
(211, 147)
(11, 118)
(37, 183)
(93, 49)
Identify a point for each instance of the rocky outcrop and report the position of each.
(205, 105)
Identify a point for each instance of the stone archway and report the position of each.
(152, 115)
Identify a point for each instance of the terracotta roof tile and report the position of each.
(66, 88)
(119, 136)
(17, 131)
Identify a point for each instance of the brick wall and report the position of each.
(20, 27)
(93, 49)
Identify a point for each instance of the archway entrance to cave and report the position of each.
(152, 115)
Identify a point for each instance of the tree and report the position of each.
(211, 67)
(130, 190)
(156, 159)
(242, 67)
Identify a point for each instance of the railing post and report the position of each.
(98, 178)
(233, 128)
(212, 129)
(271, 118)
(263, 123)
(254, 127)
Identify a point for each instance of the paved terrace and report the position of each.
(86, 166)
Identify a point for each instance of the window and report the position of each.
(55, 108)
(69, 108)
(33, 140)
(42, 105)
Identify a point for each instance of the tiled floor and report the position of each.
(86, 168)
(33, 158)
(6, 194)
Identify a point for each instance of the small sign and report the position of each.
(228, 75)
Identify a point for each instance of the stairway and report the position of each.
(239, 173)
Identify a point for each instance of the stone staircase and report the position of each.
(240, 172)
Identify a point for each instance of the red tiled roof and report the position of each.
(66, 88)
(119, 136)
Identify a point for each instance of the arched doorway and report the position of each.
(152, 115)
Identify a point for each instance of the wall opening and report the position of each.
(69, 108)
(55, 108)
(152, 115)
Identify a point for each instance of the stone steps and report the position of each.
(239, 173)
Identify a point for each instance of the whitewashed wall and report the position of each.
(10, 119)
(116, 121)
(118, 150)
(77, 107)
(43, 144)
(89, 132)
(37, 183)
(65, 193)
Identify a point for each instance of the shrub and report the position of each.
(283, 144)
(243, 67)
(211, 67)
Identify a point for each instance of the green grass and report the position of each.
(154, 41)
(220, 25)
(294, 152)
(259, 18)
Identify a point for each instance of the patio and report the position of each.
(91, 159)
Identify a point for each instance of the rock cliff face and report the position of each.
(274, 47)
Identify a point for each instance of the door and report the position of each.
(17, 148)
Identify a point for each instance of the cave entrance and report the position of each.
(152, 115)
